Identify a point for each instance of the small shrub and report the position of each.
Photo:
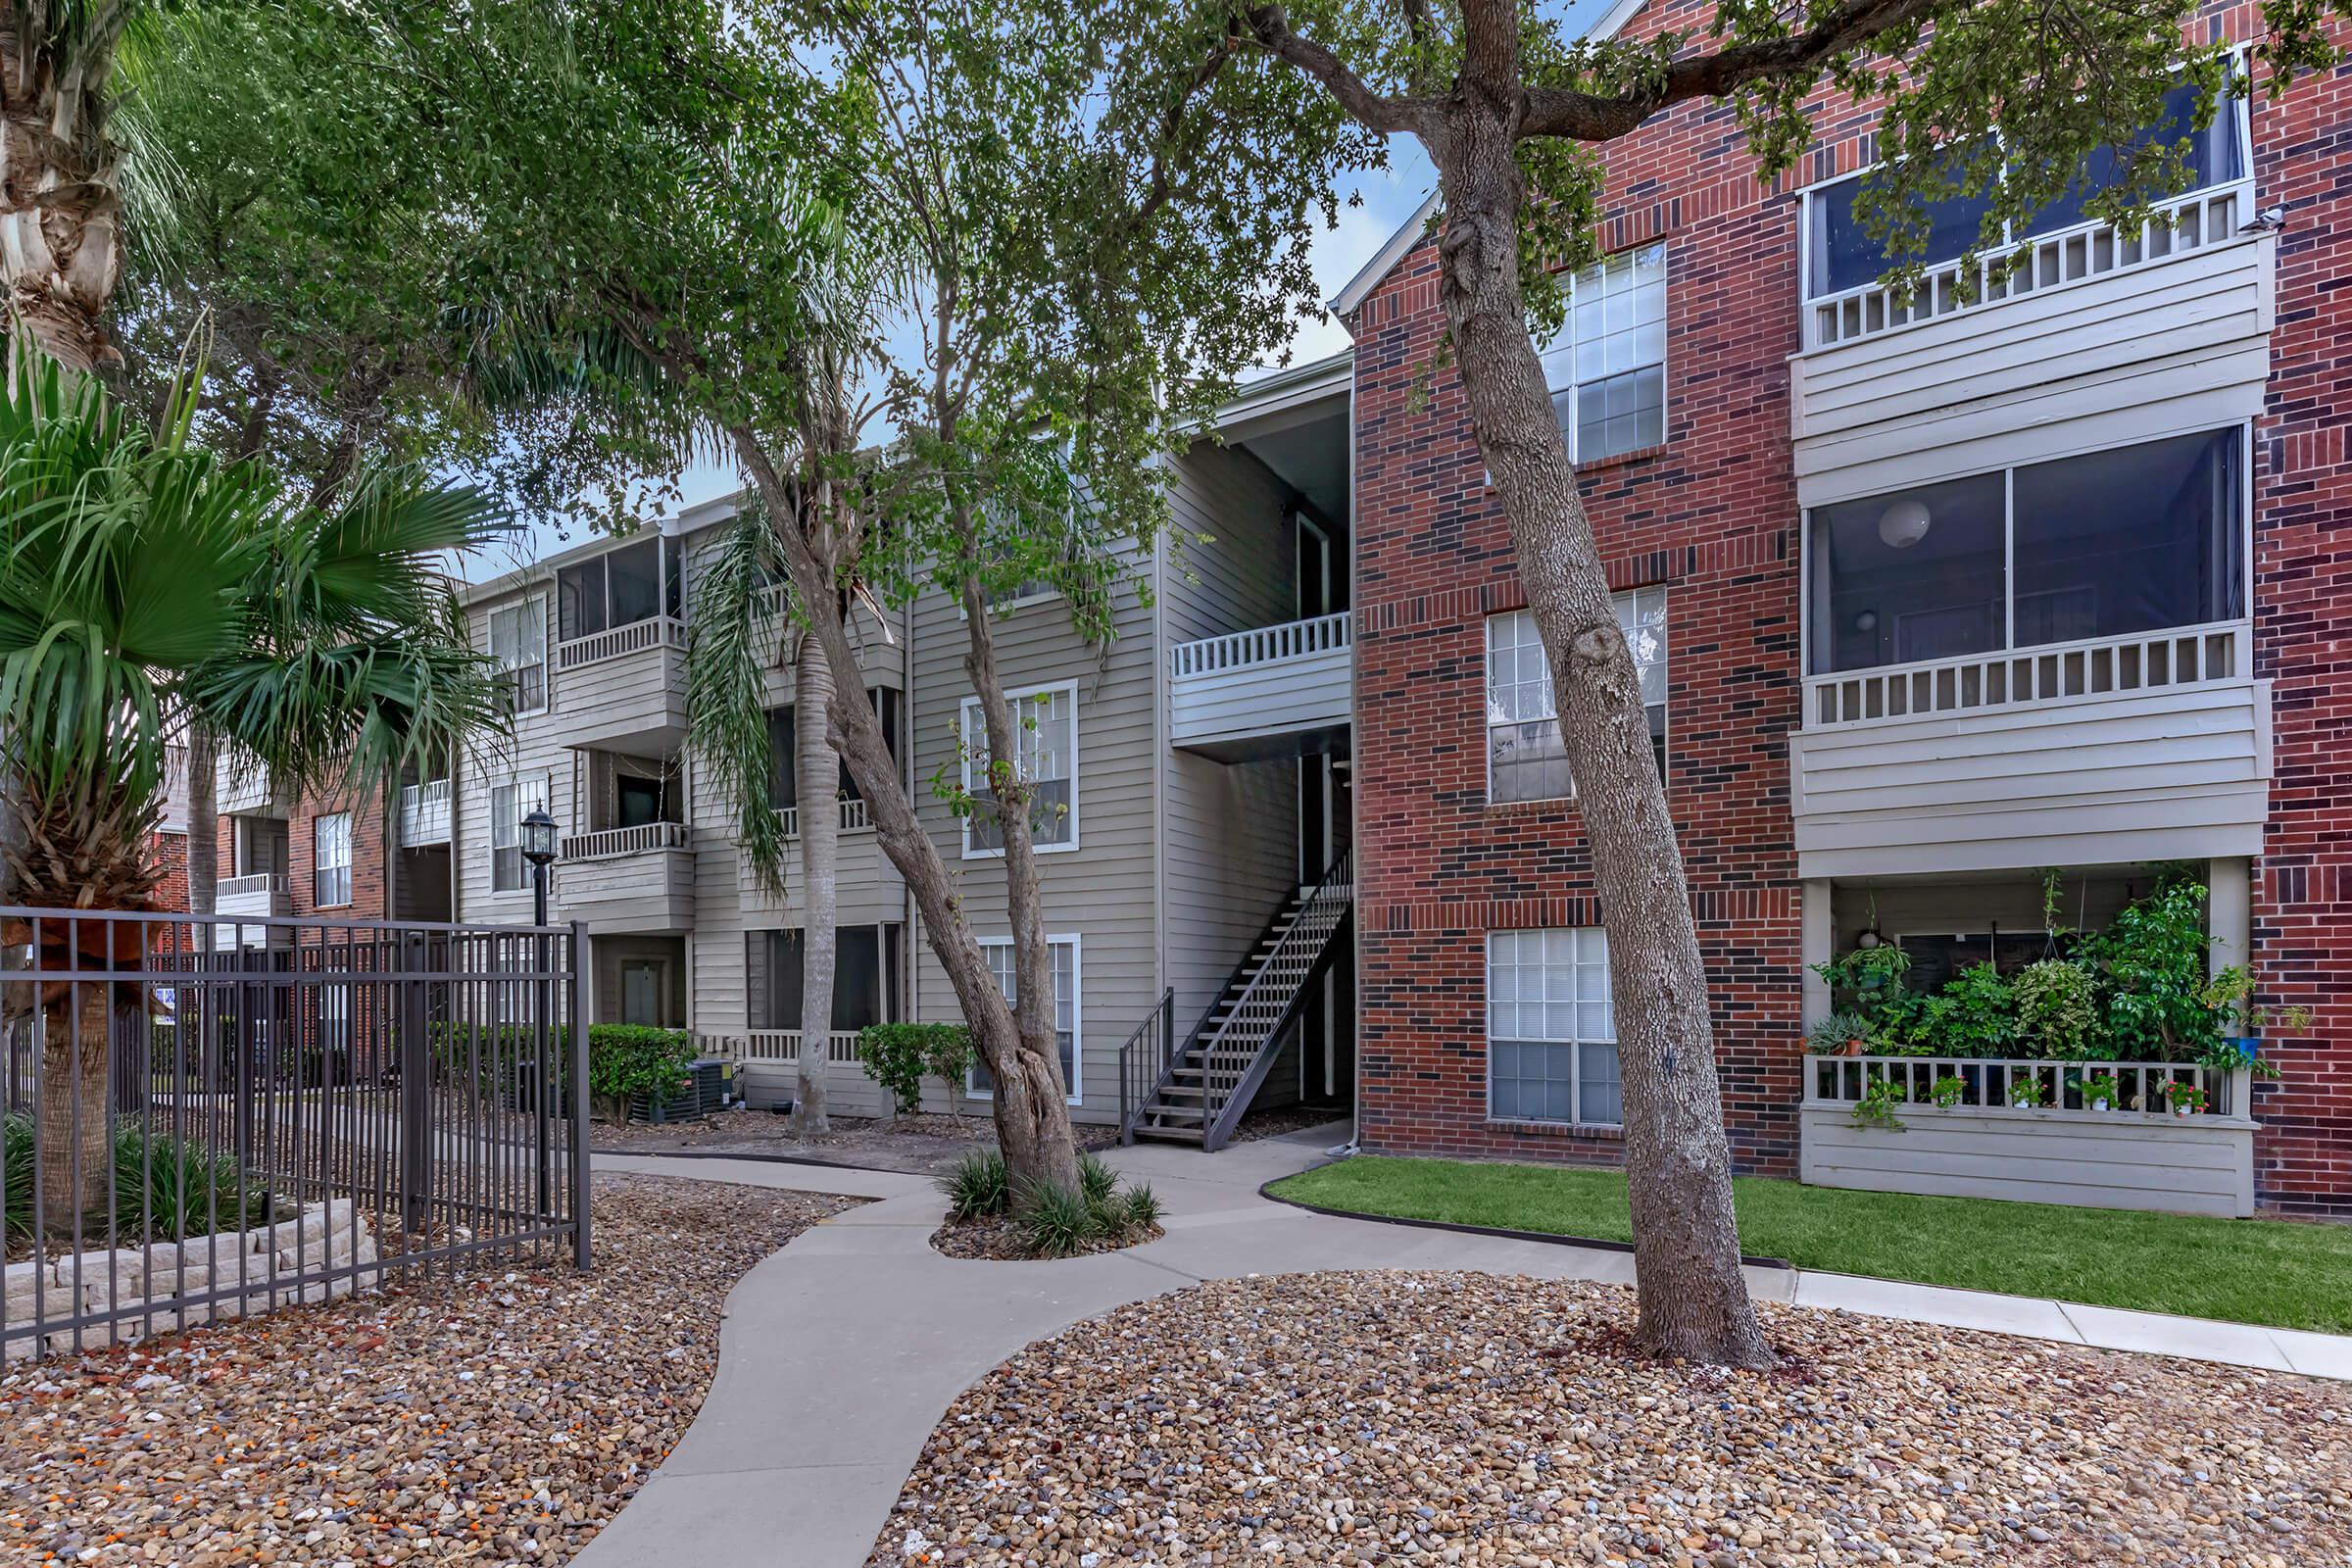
(174, 1188)
(1144, 1208)
(1973, 1015)
(976, 1185)
(16, 1172)
(631, 1061)
(1055, 1223)
(899, 1057)
(1096, 1182)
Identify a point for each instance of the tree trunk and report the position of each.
(204, 834)
(60, 256)
(1033, 1122)
(75, 1140)
(820, 865)
(1694, 1300)
(1046, 1105)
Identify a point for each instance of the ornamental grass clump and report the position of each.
(1049, 1221)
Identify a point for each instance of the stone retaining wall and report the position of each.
(326, 1251)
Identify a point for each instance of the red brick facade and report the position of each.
(369, 848)
(1712, 517)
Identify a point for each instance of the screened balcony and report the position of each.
(2056, 655)
(620, 655)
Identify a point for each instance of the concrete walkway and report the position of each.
(843, 1349)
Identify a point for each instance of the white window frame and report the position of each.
(319, 864)
(1630, 598)
(516, 607)
(976, 764)
(1577, 1038)
(1077, 1074)
(521, 786)
(1562, 349)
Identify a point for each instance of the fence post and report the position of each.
(543, 1005)
(576, 1037)
(415, 1087)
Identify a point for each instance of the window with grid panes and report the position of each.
(1607, 367)
(1551, 1034)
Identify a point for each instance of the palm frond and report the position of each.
(727, 698)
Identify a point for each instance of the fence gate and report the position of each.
(209, 1115)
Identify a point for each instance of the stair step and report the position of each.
(1176, 1091)
(1173, 1135)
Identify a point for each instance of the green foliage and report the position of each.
(2025, 1092)
(2180, 1095)
(2105, 1086)
(1144, 1208)
(1830, 1035)
(977, 1185)
(629, 1061)
(899, 1057)
(146, 585)
(1947, 1090)
(1057, 1223)
(1096, 1180)
(1877, 1106)
(164, 1188)
(2057, 1010)
(2153, 963)
(1975, 1015)
(171, 1188)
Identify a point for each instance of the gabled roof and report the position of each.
(1409, 235)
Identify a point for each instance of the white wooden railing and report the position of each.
(655, 631)
(424, 812)
(2049, 1088)
(782, 1047)
(856, 817)
(268, 883)
(1262, 645)
(2155, 660)
(2052, 261)
(616, 841)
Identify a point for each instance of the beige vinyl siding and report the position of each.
(2155, 351)
(1231, 830)
(1103, 891)
(537, 746)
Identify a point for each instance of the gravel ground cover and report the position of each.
(498, 1414)
(920, 1145)
(1471, 1419)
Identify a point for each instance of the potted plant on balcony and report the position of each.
(2231, 995)
(2026, 1093)
(2184, 1097)
(1840, 1034)
(2102, 1091)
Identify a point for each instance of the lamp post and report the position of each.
(539, 848)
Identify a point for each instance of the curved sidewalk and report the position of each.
(843, 1349)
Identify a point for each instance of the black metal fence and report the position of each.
(208, 1116)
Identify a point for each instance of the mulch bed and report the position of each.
(496, 1413)
(1344, 1419)
(999, 1239)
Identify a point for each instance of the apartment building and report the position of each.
(1193, 769)
(1932, 597)
(333, 854)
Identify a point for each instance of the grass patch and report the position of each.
(2284, 1273)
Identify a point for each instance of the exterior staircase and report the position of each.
(1200, 1089)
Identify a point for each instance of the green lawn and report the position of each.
(2280, 1272)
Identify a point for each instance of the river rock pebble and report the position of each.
(1493, 1422)
(501, 1411)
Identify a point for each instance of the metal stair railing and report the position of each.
(1139, 1077)
(1233, 1060)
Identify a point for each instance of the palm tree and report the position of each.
(61, 170)
(149, 588)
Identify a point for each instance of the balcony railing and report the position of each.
(655, 631)
(2064, 256)
(613, 842)
(1262, 645)
(263, 883)
(2061, 1090)
(782, 1047)
(424, 812)
(2146, 661)
(856, 817)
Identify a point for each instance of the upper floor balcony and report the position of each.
(242, 786)
(260, 895)
(637, 878)
(2046, 665)
(425, 814)
(624, 684)
(1262, 692)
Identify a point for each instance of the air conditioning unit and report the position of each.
(704, 1095)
